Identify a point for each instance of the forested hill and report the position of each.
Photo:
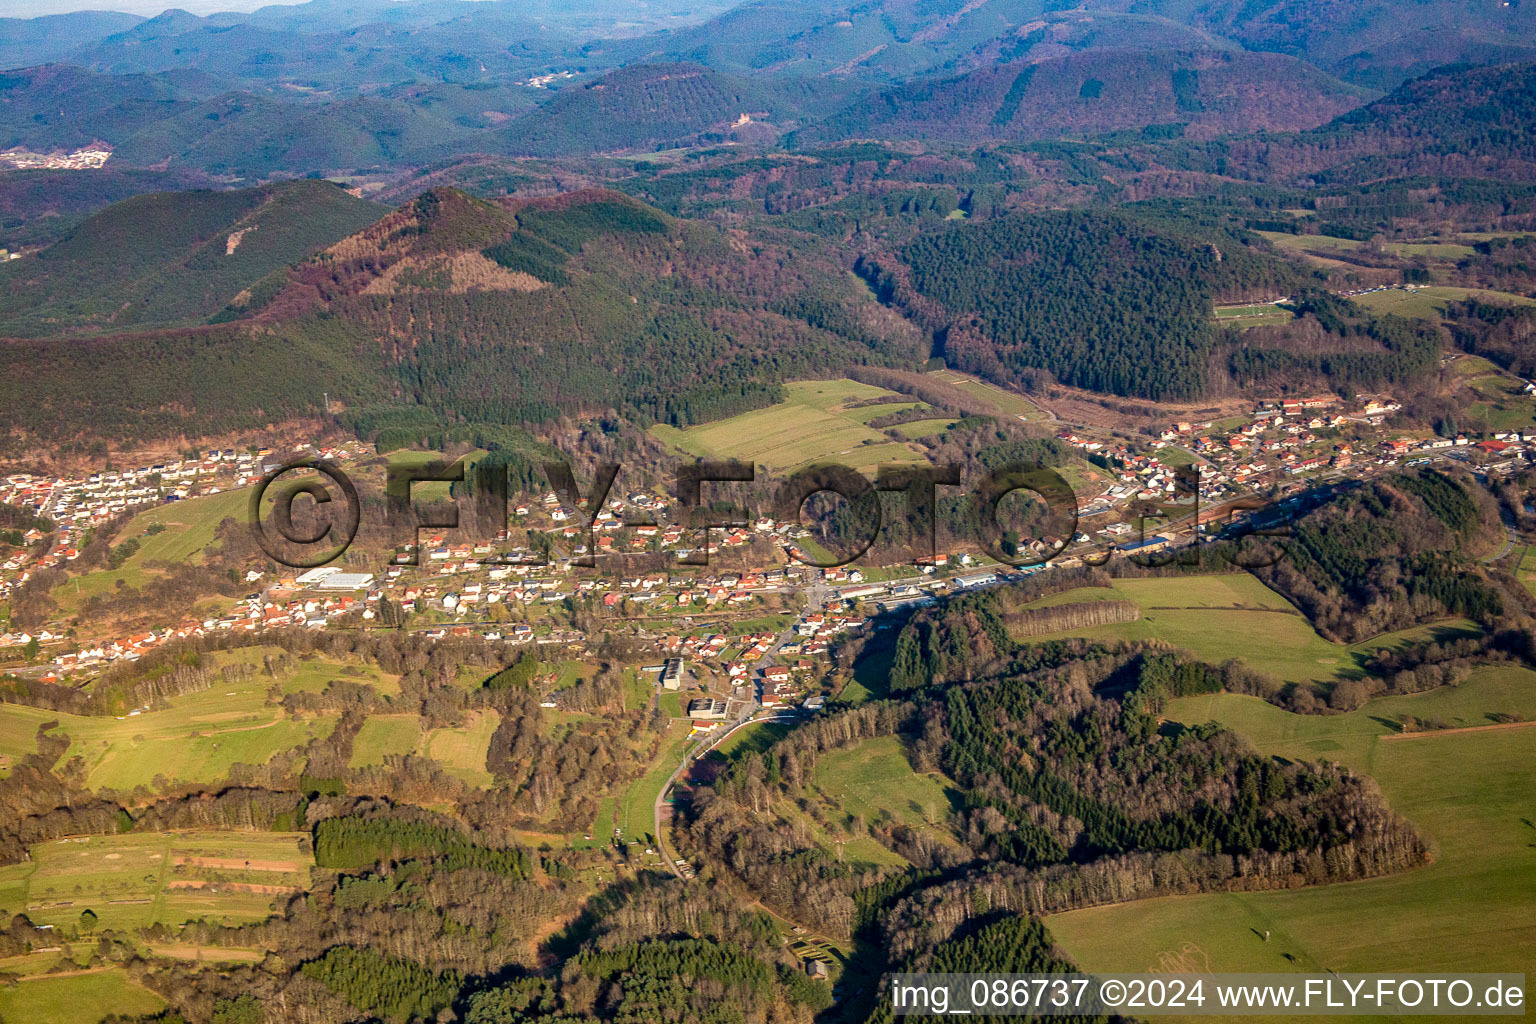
(653, 106)
(1100, 300)
(1371, 42)
(1459, 121)
(508, 313)
(172, 258)
(1101, 91)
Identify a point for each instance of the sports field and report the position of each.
(134, 880)
(461, 751)
(1233, 616)
(1470, 793)
(812, 424)
(1260, 315)
(875, 781)
(196, 739)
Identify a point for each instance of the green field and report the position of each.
(134, 880)
(428, 491)
(196, 739)
(1470, 793)
(311, 673)
(461, 751)
(923, 428)
(1233, 616)
(1174, 457)
(79, 999)
(189, 528)
(752, 739)
(1253, 316)
(875, 781)
(1501, 404)
(635, 813)
(1008, 402)
(1427, 303)
(810, 425)
(1526, 572)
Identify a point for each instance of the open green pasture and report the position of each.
(1469, 792)
(875, 781)
(460, 750)
(186, 529)
(812, 424)
(195, 739)
(1235, 616)
(76, 998)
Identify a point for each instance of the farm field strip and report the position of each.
(135, 879)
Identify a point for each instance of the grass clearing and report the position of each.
(812, 424)
(1009, 403)
(1428, 303)
(1469, 792)
(196, 739)
(76, 999)
(1234, 616)
(875, 781)
(461, 751)
(185, 530)
(635, 814)
(311, 673)
(1257, 315)
(923, 428)
(753, 739)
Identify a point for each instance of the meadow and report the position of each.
(1501, 404)
(1009, 403)
(134, 880)
(875, 781)
(76, 998)
(923, 428)
(1469, 793)
(461, 751)
(182, 531)
(195, 739)
(1429, 302)
(814, 423)
(752, 739)
(1234, 616)
(1327, 244)
(310, 673)
(634, 812)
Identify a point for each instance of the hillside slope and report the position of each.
(653, 106)
(172, 258)
(1101, 91)
(492, 313)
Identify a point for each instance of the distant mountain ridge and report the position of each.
(662, 105)
(1102, 91)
